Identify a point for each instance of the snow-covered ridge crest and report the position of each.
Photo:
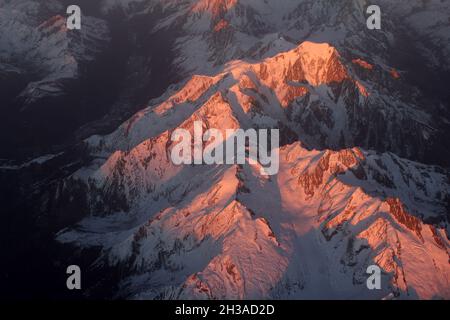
(327, 100)
(208, 231)
(288, 75)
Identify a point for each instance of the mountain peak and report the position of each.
(316, 50)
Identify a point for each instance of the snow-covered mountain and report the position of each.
(44, 50)
(363, 175)
(427, 22)
(229, 232)
(309, 232)
(314, 94)
(212, 34)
